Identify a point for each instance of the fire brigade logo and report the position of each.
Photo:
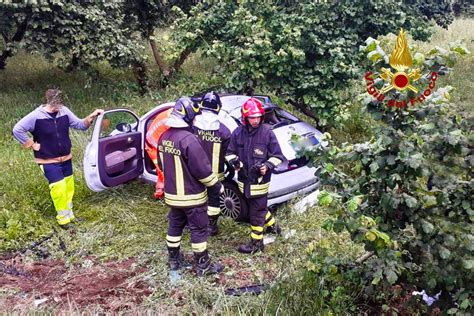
(402, 78)
(258, 152)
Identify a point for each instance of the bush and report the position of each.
(407, 193)
(305, 51)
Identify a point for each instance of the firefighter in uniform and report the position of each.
(157, 127)
(214, 138)
(254, 152)
(187, 174)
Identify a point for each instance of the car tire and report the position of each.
(233, 203)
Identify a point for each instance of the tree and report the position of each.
(81, 32)
(73, 34)
(145, 16)
(305, 51)
(14, 21)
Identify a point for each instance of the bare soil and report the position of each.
(51, 283)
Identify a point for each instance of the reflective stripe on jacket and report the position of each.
(215, 145)
(186, 169)
(254, 148)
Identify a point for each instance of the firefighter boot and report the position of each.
(213, 229)
(175, 258)
(203, 264)
(252, 247)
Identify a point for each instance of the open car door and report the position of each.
(114, 155)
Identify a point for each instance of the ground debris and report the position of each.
(11, 270)
(251, 289)
(112, 285)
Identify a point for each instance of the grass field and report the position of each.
(127, 223)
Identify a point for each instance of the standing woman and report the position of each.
(49, 125)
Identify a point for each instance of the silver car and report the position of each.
(116, 153)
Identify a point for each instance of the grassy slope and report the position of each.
(126, 222)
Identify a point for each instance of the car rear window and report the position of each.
(273, 116)
(277, 115)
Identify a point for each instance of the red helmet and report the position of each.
(252, 108)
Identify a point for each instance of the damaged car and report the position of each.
(116, 155)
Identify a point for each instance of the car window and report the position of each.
(119, 122)
(273, 116)
(284, 115)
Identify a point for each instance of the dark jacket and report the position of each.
(186, 169)
(52, 133)
(215, 144)
(254, 148)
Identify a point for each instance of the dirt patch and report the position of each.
(241, 274)
(51, 283)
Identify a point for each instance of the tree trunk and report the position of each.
(73, 64)
(249, 88)
(3, 58)
(176, 66)
(180, 61)
(20, 33)
(158, 58)
(304, 109)
(140, 72)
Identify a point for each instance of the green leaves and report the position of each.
(428, 228)
(391, 276)
(354, 203)
(429, 201)
(325, 198)
(415, 176)
(410, 201)
(370, 236)
(418, 59)
(444, 253)
(459, 47)
(294, 49)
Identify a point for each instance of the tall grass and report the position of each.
(462, 75)
(26, 208)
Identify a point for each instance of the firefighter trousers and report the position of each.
(213, 202)
(260, 216)
(197, 220)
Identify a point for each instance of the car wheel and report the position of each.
(233, 203)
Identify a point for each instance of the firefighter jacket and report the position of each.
(157, 127)
(154, 131)
(215, 143)
(254, 148)
(186, 169)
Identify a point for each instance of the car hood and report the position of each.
(284, 133)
